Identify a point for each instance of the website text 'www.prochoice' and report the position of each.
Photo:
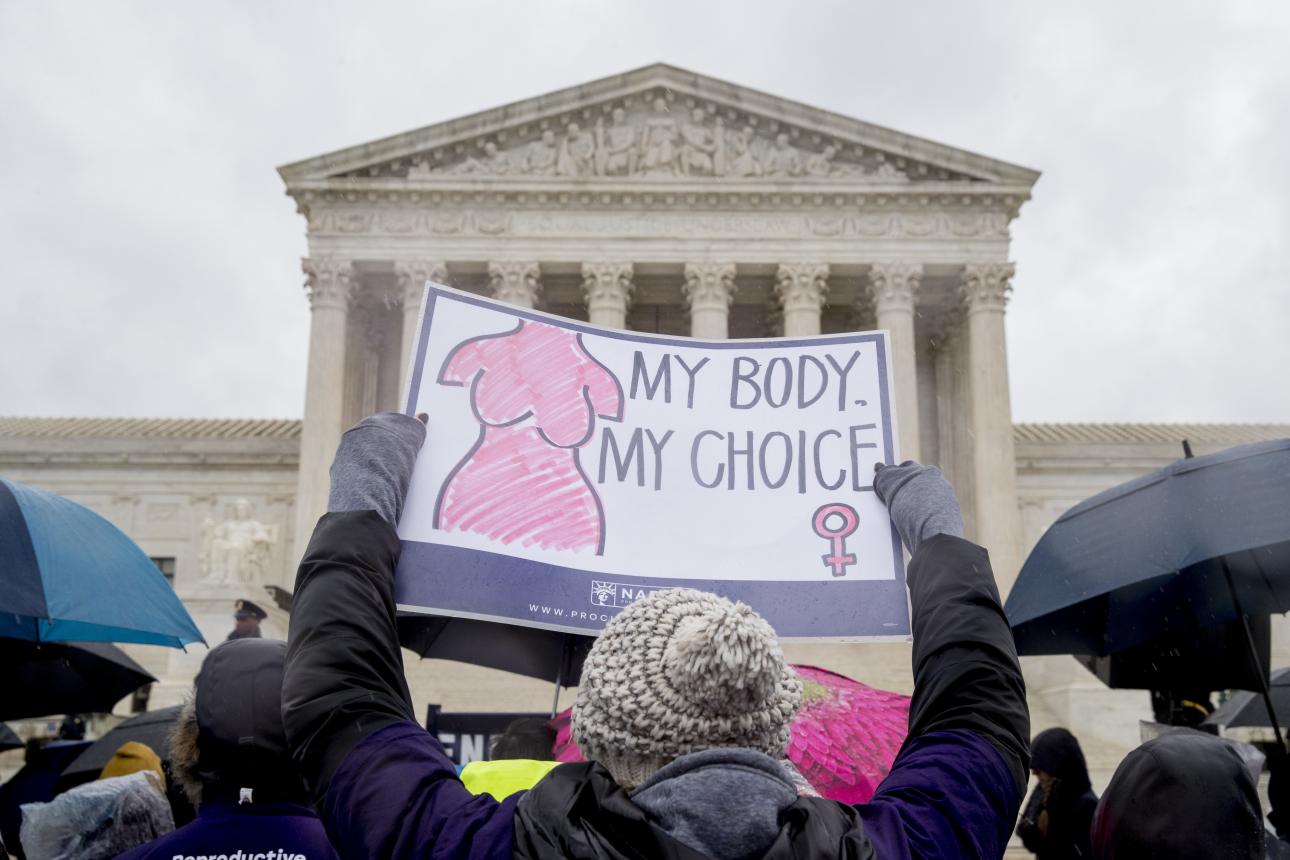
(539, 610)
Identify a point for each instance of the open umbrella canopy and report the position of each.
(545, 654)
(1144, 560)
(44, 678)
(844, 740)
(9, 740)
(151, 728)
(68, 574)
(1246, 709)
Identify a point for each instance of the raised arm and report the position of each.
(383, 785)
(962, 770)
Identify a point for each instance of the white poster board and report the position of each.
(569, 469)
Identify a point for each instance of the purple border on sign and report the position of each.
(815, 611)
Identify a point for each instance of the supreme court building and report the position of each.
(662, 201)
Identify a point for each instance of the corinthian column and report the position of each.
(709, 289)
(328, 283)
(893, 287)
(412, 277)
(519, 283)
(994, 469)
(608, 288)
(801, 288)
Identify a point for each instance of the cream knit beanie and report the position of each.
(678, 672)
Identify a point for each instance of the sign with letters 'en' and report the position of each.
(570, 469)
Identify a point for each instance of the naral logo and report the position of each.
(616, 594)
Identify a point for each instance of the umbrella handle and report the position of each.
(1254, 655)
(559, 675)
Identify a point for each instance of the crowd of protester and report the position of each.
(310, 748)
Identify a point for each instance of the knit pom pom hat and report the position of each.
(678, 672)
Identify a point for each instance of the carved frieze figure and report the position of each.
(742, 161)
(577, 152)
(542, 155)
(890, 173)
(616, 146)
(659, 142)
(701, 147)
(783, 159)
(237, 550)
(494, 162)
(821, 163)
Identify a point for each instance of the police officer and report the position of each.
(246, 620)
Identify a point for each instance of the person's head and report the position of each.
(229, 735)
(133, 757)
(527, 737)
(781, 140)
(548, 137)
(72, 728)
(1055, 754)
(678, 672)
(620, 116)
(698, 115)
(247, 617)
(1180, 796)
(99, 819)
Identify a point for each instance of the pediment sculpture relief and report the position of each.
(658, 141)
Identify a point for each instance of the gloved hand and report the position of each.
(920, 501)
(373, 465)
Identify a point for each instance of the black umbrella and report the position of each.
(1246, 709)
(9, 740)
(43, 678)
(1201, 542)
(151, 728)
(546, 654)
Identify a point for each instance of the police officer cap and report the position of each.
(247, 609)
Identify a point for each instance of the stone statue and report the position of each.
(700, 147)
(616, 146)
(542, 155)
(236, 551)
(742, 161)
(494, 162)
(577, 152)
(783, 159)
(658, 143)
(821, 163)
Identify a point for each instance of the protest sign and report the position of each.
(570, 469)
(468, 736)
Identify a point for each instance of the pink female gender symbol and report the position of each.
(838, 558)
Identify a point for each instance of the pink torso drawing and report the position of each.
(536, 394)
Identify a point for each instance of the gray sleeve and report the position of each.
(373, 465)
(920, 501)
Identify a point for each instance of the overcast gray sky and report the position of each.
(149, 261)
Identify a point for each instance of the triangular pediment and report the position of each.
(656, 124)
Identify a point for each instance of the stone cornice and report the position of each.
(651, 192)
(579, 103)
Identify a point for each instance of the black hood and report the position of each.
(1056, 751)
(1180, 796)
(240, 736)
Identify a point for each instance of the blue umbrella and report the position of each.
(1200, 542)
(68, 574)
